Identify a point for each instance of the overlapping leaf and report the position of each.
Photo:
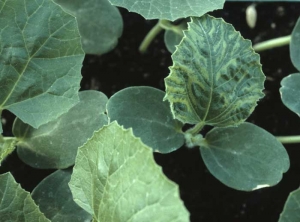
(100, 24)
(290, 92)
(295, 45)
(291, 210)
(116, 179)
(169, 9)
(244, 157)
(171, 40)
(40, 60)
(16, 204)
(143, 109)
(55, 144)
(216, 77)
(55, 199)
(7, 145)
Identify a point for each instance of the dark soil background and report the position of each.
(205, 197)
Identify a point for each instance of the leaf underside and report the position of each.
(116, 179)
(40, 60)
(216, 77)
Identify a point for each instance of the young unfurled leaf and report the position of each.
(100, 24)
(55, 199)
(116, 179)
(291, 210)
(295, 45)
(55, 144)
(143, 109)
(216, 77)
(40, 60)
(244, 157)
(170, 10)
(290, 92)
(16, 204)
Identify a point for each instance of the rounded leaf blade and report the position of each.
(291, 210)
(245, 157)
(216, 78)
(116, 179)
(170, 10)
(143, 109)
(290, 92)
(55, 199)
(100, 24)
(55, 144)
(295, 45)
(40, 60)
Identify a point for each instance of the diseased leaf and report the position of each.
(169, 9)
(40, 60)
(216, 78)
(290, 92)
(55, 199)
(100, 24)
(7, 146)
(55, 144)
(291, 210)
(16, 204)
(143, 109)
(116, 179)
(244, 157)
(295, 45)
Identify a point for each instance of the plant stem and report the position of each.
(288, 139)
(196, 129)
(272, 43)
(150, 36)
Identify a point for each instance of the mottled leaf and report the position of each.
(291, 210)
(116, 179)
(143, 109)
(7, 146)
(169, 9)
(295, 45)
(40, 60)
(16, 204)
(216, 78)
(55, 144)
(55, 199)
(100, 24)
(290, 92)
(244, 157)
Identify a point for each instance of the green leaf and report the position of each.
(215, 79)
(55, 144)
(116, 179)
(244, 157)
(290, 92)
(40, 60)
(295, 45)
(7, 146)
(143, 109)
(291, 210)
(16, 204)
(100, 24)
(55, 199)
(172, 39)
(170, 10)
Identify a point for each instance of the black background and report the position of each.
(205, 197)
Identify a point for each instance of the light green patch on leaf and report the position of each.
(244, 157)
(16, 204)
(7, 146)
(55, 199)
(290, 92)
(295, 45)
(55, 144)
(40, 60)
(100, 24)
(216, 78)
(291, 210)
(169, 9)
(143, 109)
(116, 179)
